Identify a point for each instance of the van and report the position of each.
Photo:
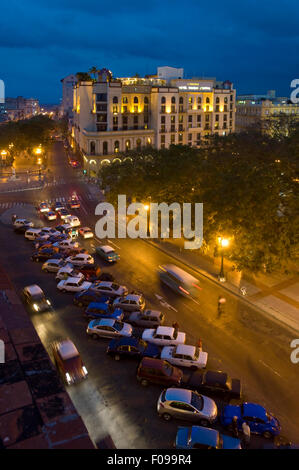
(32, 233)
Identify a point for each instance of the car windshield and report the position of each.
(114, 286)
(118, 325)
(168, 369)
(38, 298)
(196, 401)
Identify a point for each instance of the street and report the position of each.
(241, 342)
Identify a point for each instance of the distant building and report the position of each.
(169, 73)
(118, 115)
(68, 83)
(253, 110)
(21, 108)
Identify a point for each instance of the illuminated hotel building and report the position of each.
(114, 116)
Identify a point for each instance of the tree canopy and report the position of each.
(247, 182)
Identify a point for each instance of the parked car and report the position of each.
(103, 310)
(22, 222)
(213, 383)
(184, 355)
(108, 328)
(256, 416)
(45, 254)
(80, 259)
(63, 245)
(49, 231)
(109, 288)
(188, 405)
(35, 299)
(73, 220)
(68, 271)
(68, 361)
(73, 284)
(107, 253)
(53, 265)
(68, 230)
(43, 207)
(131, 348)
(83, 299)
(51, 215)
(131, 302)
(157, 371)
(90, 271)
(146, 319)
(85, 232)
(198, 437)
(164, 336)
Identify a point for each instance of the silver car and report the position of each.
(147, 318)
(130, 302)
(53, 265)
(185, 404)
(108, 328)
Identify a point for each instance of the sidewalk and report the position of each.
(276, 295)
(20, 184)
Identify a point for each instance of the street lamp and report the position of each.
(146, 207)
(223, 242)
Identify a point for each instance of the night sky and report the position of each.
(253, 43)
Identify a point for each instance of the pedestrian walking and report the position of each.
(13, 218)
(246, 434)
(175, 325)
(221, 302)
(199, 343)
(235, 429)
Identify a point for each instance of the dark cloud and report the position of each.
(254, 42)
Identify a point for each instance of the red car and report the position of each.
(68, 362)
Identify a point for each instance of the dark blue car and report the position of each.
(257, 418)
(103, 310)
(132, 348)
(84, 298)
(198, 437)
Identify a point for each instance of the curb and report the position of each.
(223, 286)
(21, 190)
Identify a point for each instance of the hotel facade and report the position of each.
(113, 116)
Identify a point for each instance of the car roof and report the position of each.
(185, 349)
(165, 330)
(178, 394)
(100, 305)
(133, 297)
(205, 436)
(54, 261)
(104, 322)
(126, 341)
(86, 228)
(67, 349)
(254, 410)
(152, 363)
(212, 376)
(152, 313)
(106, 248)
(34, 289)
(106, 283)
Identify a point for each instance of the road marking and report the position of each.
(269, 367)
(164, 303)
(118, 247)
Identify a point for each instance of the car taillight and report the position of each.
(197, 286)
(184, 290)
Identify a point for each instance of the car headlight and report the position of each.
(68, 378)
(84, 370)
(48, 302)
(36, 307)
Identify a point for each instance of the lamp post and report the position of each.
(223, 242)
(146, 208)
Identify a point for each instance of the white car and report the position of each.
(109, 328)
(53, 265)
(130, 302)
(32, 233)
(81, 259)
(73, 284)
(73, 220)
(50, 215)
(109, 288)
(21, 222)
(184, 355)
(43, 207)
(85, 232)
(66, 244)
(68, 271)
(164, 336)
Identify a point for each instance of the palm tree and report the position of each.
(93, 71)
